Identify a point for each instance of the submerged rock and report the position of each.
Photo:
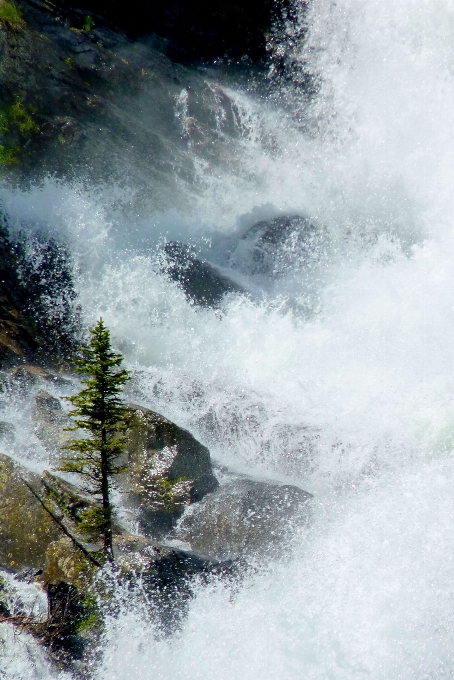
(244, 518)
(271, 247)
(51, 421)
(202, 283)
(168, 470)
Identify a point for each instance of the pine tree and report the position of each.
(101, 413)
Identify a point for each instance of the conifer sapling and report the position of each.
(99, 410)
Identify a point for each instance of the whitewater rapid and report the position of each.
(352, 400)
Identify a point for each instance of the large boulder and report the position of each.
(35, 511)
(166, 468)
(244, 518)
(168, 471)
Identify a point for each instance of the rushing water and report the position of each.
(339, 380)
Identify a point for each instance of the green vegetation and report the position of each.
(87, 616)
(16, 123)
(11, 16)
(101, 413)
(89, 24)
(22, 117)
(9, 155)
(167, 490)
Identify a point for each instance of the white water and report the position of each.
(355, 402)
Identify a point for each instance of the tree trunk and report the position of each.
(107, 509)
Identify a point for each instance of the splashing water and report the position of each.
(353, 401)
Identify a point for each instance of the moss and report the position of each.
(170, 492)
(22, 117)
(11, 16)
(88, 616)
(9, 155)
(16, 123)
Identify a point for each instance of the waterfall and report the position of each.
(333, 371)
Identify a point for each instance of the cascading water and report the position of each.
(338, 378)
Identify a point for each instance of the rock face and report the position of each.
(168, 470)
(244, 518)
(37, 318)
(195, 29)
(102, 105)
(17, 337)
(202, 283)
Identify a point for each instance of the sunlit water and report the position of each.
(340, 380)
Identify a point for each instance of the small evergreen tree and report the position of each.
(100, 411)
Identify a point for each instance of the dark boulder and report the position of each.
(168, 471)
(203, 284)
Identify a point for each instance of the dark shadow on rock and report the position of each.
(202, 283)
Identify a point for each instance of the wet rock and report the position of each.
(271, 247)
(64, 562)
(202, 283)
(35, 510)
(71, 615)
(163, 576)
(26, 529)
(50, 422)
(244, 518)
(27, 376)
(168, 470)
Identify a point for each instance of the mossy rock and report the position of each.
(26, 529)
(168, 470)
(65, 562)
